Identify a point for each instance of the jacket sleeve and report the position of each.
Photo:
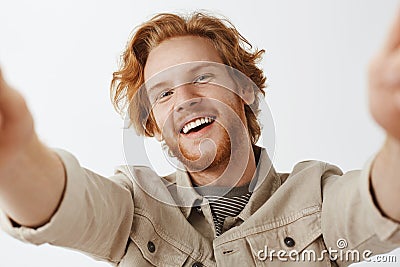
(94, 216)
(349, 213)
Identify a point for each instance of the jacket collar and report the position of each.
(264, 183)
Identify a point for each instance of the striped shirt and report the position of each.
(222, 206)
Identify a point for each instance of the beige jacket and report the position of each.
(136, 218)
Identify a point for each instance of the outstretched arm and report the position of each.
(32, 176)
(384, 95)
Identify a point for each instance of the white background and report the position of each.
(61, 54)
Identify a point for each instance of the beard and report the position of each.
(222, 149)
(207, 154)
(201, 155)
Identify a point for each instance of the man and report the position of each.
(183, 81)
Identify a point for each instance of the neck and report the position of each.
(236, 170)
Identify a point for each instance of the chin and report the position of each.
(205, 156)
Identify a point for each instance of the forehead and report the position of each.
(179, 50)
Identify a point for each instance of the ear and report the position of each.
(247, 94)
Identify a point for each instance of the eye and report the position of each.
(202, 79)
(164, 95)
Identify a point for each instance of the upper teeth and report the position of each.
(190, 125)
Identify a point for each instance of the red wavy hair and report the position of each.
(234, 50)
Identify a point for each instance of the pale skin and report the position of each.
(384, 99)
(32, 177)
(188, 102)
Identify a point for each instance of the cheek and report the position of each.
(232, 102)
(163, 120)
(237, 103)
(235, 109)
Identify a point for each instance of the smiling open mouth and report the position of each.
(197, 124)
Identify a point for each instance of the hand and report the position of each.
(384, 84)
(16, 124)
(32, 177)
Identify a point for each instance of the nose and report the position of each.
(186, 98)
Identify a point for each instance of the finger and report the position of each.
(391, 69)
(393, 39)
(1, 89)
(3, 86)
(12, 104)
(397, 100)
(1, 81)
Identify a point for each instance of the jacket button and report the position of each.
(151, 247)
(289, 241)
(197, 264)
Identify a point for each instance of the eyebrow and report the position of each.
(193, 69)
